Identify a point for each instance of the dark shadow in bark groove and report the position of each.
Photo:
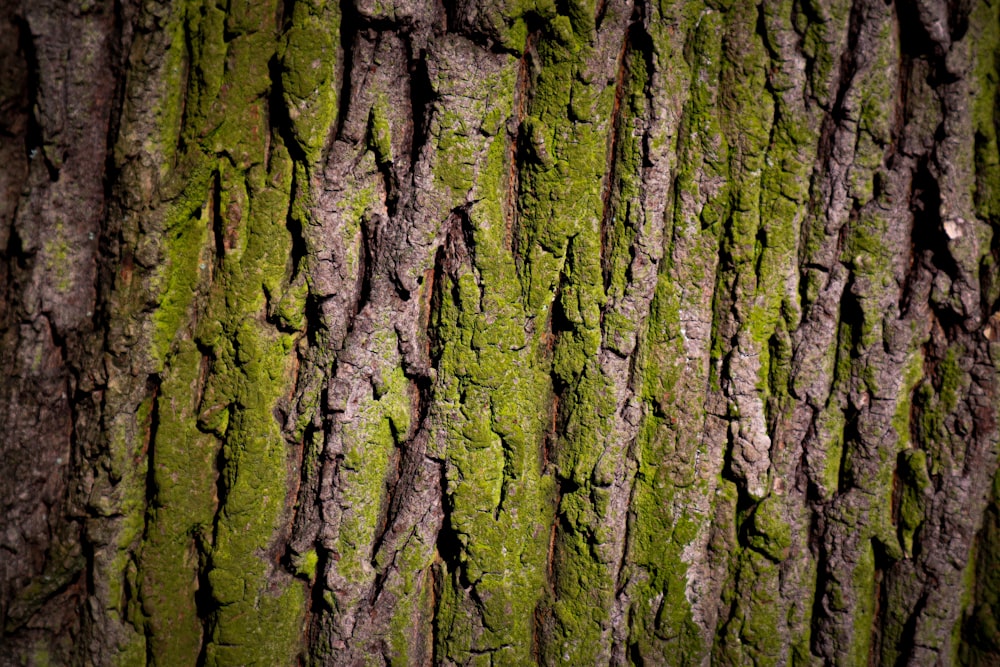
(294, 226)
(349, 24)
(396, 486)
(909, 633)
(559, 324)
(849, 64)
(930, 248)
(153, 389)
(286, 9)
(34, 139)
(15, 255)
(385, 166)
(635, 655)
(313, 313)
(519, 153)
(449, 547)
(928, 234)
(369, 230)
(883, 564)
(609, 205)
(852, 317)
(205, 604)
(218, 223)
(914, 42)
(437, 294)
(119, 53)
(277, 113)
(818, 609)
(437, 588)
(421, 101)
(851, 440)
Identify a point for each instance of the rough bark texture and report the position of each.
(496, 333)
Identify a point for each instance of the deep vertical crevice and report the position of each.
(369, 230)
(387, 169)
(218, 222)
(600, 11)
(34, 138)
(818, 613)
(293, 224)
(849, 61)
(204, 603)
(153, 383)
(286, 10)
(153, 390)
(449, 547)
(421, 100)
(185, 93)
(349, 25)
(851, 440)
(609, 205)
(883, 566)
(518, 144)
(907, 638)
(277, 113)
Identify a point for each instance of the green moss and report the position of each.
(170, 106)
(128, 438)
(561, 225)
(264, 635)
(415, 607)
(981, 639)
(951, 377)
(187, 234)
(965, 605)
(761, 613)
(863, 613)
(205, 28)
(369, 443)
(661, 533)
(770, 533)
(667, 488)
(132, 654)
(56, 252)
(183, 476)
(915, 479)
(222, 377)
(980, 643)
(379, 133)
(41, 657)
(500, 502)
(453, 167)
(984, 23)
(936, 405)
(252, 621)
(308, 60)
(306, 564)
(912, 374)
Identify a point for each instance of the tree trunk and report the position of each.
(500, 333)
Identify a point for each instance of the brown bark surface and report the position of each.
(402, 332)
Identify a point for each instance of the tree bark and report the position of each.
(489, 333)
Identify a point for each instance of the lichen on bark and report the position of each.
(515, 332)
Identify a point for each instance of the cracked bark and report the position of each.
(472, 333)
